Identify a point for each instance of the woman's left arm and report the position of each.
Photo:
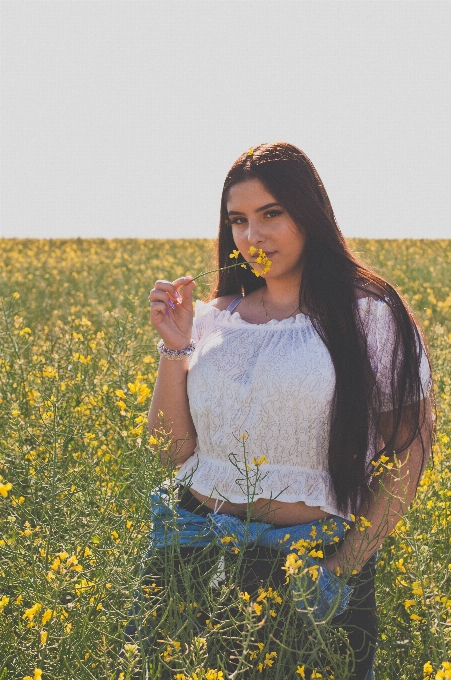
(390, 496)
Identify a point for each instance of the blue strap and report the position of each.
(234, 304)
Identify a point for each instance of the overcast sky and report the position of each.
(121, 118)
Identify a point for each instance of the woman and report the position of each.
(315, 363)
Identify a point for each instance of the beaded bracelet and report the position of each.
(176, 354)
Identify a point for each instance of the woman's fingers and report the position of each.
(166, 288)
(165, 296)
(172, 287)
(158, 307)
(157, 295)
(168, 292)
(187, 294)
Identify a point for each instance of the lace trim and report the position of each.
(203, 309)
(284, 483)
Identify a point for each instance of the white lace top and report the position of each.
(274, 384)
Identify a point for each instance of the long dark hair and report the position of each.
(331, 277)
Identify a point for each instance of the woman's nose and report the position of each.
(254, 232)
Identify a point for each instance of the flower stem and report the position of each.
(236, 264)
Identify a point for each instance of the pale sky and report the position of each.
(121, 118)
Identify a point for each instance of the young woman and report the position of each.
(317, 362)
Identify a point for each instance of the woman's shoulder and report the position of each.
(207, 310)
(221, 303)
(368, 290)
(374, 313)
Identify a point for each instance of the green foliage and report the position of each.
(78, 364)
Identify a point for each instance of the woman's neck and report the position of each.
(281, 297)
(282, 291)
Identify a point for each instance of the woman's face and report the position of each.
(258, 220)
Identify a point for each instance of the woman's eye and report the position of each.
(268, 213)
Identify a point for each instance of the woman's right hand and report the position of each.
(171, 313)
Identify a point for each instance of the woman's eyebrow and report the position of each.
(264, 207)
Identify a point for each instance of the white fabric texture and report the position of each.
(273, 382)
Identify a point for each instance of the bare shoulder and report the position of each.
(222, 303)
(367, 289)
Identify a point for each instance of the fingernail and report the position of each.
(171, 304)
(177, 295)
(166, 312)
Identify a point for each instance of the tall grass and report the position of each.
(78, 365)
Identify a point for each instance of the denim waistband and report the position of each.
(317, 592)
(187, 501)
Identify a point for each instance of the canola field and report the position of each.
(78, 363)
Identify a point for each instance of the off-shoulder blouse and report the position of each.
(260, 397)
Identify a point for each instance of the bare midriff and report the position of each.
(264, 510)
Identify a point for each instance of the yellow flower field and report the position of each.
(78, 364)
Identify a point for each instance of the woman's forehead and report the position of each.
(248, 192)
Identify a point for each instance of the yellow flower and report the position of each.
(269, 659)
(400, 565)
(49, 372)
(364, 521)
(301, 671)
(55, 564)
(47, 615)
(259, 461)
(292, 564)
(3, 602)
(36, 676)
(427, 668)
(214, 675)
(32, 611)
(228, 539)
(301, 546)
(258, 609)
(245, 596)
(83, 585)
(313, 571)
(262, 260)
(250, 152)
(44, 635)
(263, 595)
(4, 488)
(234, 254)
